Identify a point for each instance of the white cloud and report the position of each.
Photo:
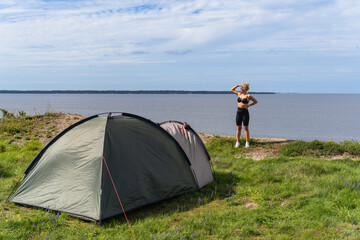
(37, 32)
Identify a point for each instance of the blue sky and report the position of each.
(282, 46)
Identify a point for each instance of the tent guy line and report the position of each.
(122, 207)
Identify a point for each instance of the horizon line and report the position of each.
(124, 91)
(147, 92)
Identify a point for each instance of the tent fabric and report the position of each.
(194, 149)
(146, 163)
(70, 166)
(149, 166)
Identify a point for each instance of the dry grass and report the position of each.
(59, 122)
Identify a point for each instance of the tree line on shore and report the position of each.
(120, 92)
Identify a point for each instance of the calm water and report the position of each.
(293, 116)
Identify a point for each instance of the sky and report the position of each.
(288, 46)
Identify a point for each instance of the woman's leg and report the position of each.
(239, 118)
(246, 127)
(238, 133)
(247, 134)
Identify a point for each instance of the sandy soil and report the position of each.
(256, 152)
(60, 123)
(207, 137)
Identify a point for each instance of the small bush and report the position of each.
(317, 148)
(52, 114)
(315, 145)
(352, 147)
(6, 114)
(17, 136)
(325, 148)
(48, 134)
(33, 145)
(15, 125)
(331, 148)
(22, 114)
(293, 149)
(2, 148)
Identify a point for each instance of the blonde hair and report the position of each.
(246, 86)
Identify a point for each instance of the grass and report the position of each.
(22, 127)
(298, 195)
(316, 148)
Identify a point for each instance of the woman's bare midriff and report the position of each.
(243, 105)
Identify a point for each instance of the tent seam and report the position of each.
(101, 167)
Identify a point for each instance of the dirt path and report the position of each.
(257, 152)
(207, 137)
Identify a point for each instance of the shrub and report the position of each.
(317, 148)
(33, 145)
(22, 114)
(17, 136)
(15, 126)
(331, 148)
(2, 148)
(293, 149)
(48, 134)
(315, 145)
(51, 114)
(325, 148)
(6, 114)
(352, 147)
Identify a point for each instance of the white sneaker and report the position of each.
(247, 145)
(237, 144)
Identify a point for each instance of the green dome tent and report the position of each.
(77, 171)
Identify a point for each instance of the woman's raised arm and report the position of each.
(233, 89)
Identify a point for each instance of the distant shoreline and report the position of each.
(119, 92)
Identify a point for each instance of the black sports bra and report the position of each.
(244, 100)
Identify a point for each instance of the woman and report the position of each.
(242, 115)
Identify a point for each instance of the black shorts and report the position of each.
(242, 117)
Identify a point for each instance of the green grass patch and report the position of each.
(317, 148)
(292, 196)
(22, 127)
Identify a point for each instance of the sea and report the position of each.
(308, 117)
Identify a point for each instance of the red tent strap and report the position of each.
(182, 130)
(118, 196)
